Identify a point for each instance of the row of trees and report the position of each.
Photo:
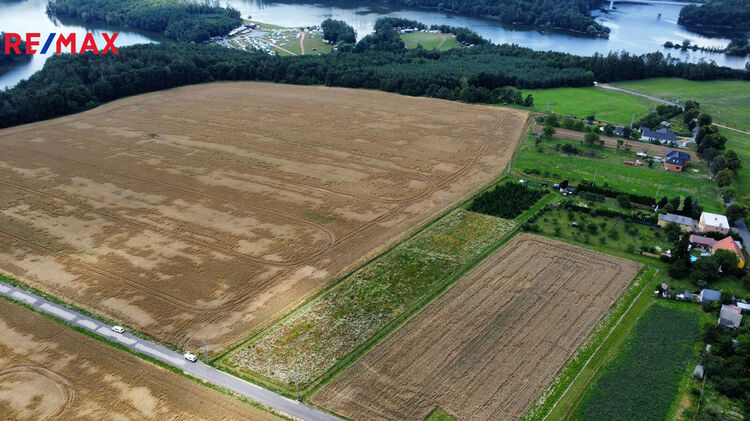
(178, 20)
(573, 15)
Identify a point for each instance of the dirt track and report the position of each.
(201, 213)
(48, 371)
(489, 346)
(636, 146)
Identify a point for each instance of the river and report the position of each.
(636, 28)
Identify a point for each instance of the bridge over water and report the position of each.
(676, 3)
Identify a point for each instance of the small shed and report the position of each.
(744, 306)
(709, 295)
(698, 372)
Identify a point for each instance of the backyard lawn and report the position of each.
(608, 167)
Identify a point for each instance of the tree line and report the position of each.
(484, 73)
(177, 20)
(572, 15)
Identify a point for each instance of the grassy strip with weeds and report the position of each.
(568, 376)
(145, 357)
(330, 331)
(642, 380)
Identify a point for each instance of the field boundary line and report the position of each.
(603, 342)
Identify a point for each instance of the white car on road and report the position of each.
(190, 357)
(118, 329)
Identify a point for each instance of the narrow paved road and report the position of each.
(302, 43)
(739, 226)
(197, 369)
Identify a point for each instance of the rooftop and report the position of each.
(729, 244)
(677, 219)
(714, 220)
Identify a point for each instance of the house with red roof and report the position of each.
(729, 244)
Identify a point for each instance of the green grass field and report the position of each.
(430, 41)
(610, 168)
(610, 106)
(728, 101)
(642, 380)
(327, 329)
(740, 143)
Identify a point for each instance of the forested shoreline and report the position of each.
(177, 20)
(726, 14)
(573, 15)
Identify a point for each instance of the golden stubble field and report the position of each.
(204, 212)
(487, 348)
(48, 371)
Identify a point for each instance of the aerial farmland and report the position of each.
(488, 347)
(203, 212)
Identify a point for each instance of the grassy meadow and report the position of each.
(609, 168)
(728, 101)
(610, 106)
(430, 41)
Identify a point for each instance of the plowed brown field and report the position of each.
(485, 349)
(48, 371)
(200, 213)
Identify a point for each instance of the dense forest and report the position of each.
(733, 14)
(482, 74)
(572, 15)
(178, 20)
(12, 57)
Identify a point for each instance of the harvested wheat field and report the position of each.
(485, 349)
(202, 212)
(48, 371)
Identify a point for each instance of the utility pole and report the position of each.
(595, 172)
(296, 381)
(548, 102)
(656, 197)
(205, 351)
(632, 120)
(442, 209)
(349, 259)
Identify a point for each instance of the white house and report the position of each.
(711, 222)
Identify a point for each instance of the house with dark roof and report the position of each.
(701, 241)
(729, 244)
(676, 160)
(685, 223)
(730, 316)
(663, 135)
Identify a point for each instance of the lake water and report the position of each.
(634, 27)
